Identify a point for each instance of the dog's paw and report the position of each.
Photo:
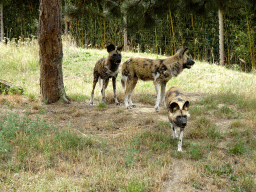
(118, 103)
(157, 109)
(129, 107)
(133, 106)
(90, 103)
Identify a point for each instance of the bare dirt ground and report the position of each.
(110, 122)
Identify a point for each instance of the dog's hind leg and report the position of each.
(123, 80)
(130, 85)
(134, 82)
(104, 86)
(158, 96)
(180, 139)
(114, 90)
(100, 81)
(163, 86)
(93, 87)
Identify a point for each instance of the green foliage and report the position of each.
(20, 18)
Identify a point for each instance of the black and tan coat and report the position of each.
(105, 69)
(160, 71)
(178, 112)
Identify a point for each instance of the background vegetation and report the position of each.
(153, 26)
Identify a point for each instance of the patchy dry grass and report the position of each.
(105, 147)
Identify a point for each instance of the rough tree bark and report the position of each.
(50, 51)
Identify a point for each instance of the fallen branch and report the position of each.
(6, 88)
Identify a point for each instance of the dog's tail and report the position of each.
(123, 80)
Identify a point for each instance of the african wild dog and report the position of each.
(105, 69)
(158, 70)
(178, 113)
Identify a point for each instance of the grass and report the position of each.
(105, 147)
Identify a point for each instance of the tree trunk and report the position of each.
(221, 37)
(125, 33)
(1, 23)
(50, 51)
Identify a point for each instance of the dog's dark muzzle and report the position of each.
(188, 64)
(181, 121)
(116, 61)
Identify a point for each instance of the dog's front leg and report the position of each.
(114, 90)
(104, 86)
(93, 87)
(180, 139)
(174, 132)
(158, 97)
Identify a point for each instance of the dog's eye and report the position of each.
(181, 116)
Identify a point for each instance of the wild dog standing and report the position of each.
(105, 69)
(178, 113)
(160, 71)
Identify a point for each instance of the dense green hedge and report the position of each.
(198, 33)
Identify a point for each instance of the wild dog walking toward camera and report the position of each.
(105, 69)
(160, 71)
(178, 106)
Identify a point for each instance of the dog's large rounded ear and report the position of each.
(182, 51)
(186, 106)
(119, 48)
(173, 107)
(110, 47)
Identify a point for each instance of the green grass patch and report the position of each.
(135, 186)
(102, 106)
(219, 169)
(146, 99)
(195, 152)
(79, 97)
(29, 138)
(197, 110)
(202, 128)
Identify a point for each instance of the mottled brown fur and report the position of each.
(178, 113)
(105, 69)
(160, 71)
